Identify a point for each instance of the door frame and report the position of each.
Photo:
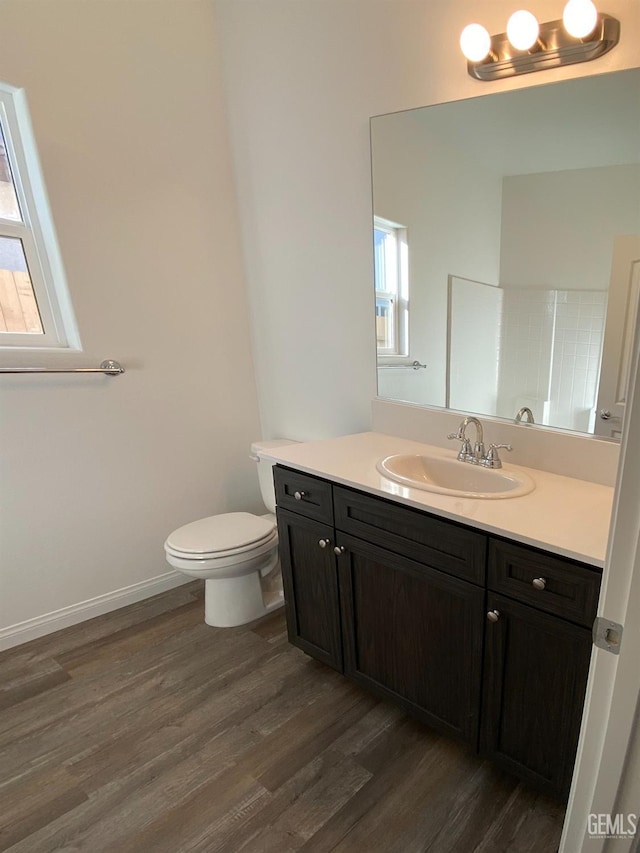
(622, 311)
(606, 747)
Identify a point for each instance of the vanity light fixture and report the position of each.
(579, 18)
(523, 30)
(580, 35)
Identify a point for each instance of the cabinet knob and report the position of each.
(339, 549)
(324, 542)
(493, 615)
(539, 583)
(299, 495)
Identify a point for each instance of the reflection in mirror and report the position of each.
(520, 219)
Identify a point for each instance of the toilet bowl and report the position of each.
(236, 553)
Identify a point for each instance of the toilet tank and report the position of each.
(260, 453)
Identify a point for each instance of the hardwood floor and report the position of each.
(146, 731)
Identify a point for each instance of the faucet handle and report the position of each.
(492, 459)
(466, 453)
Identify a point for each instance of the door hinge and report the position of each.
(607, 635)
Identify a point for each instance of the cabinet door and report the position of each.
(535, 677)
(310, 583)
(413, 634)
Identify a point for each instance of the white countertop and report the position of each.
(563, 515)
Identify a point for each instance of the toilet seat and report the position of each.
(229, 558)
(227, 537)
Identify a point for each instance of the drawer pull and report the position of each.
(493, 615)
(539, 583)
(299, 495)
(324, 542)
(339, 549)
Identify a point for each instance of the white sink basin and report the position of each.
(451, 477)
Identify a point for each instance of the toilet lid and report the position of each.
(231, 531)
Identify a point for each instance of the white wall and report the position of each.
(558, 228)
(452, 215)
(96, 471)
(128, 114)
(303, 77)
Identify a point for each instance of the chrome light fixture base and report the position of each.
(554, 48)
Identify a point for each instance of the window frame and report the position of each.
(36, 233)
(399, 296)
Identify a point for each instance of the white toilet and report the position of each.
(236, 553)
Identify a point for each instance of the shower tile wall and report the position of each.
(526, 351)
(579, 330)
(550, 354)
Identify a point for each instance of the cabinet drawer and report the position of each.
(412, 533)
(564, 588)
(304, 494)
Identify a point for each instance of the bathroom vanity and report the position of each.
(422, 600)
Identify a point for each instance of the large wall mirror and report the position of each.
(507, 252)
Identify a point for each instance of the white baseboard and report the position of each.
(31, 629)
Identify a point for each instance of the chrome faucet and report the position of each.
(524, 411)
(466, 454)
(477, 455)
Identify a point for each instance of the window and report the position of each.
(392, 287)
(35, 310)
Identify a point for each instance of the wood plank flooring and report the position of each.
(146, 731)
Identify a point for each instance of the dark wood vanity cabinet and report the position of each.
(412, 634)
(309, 573)
(480, 637)
(412, 604)
(537, 654)
(534, 681)
(310, 581)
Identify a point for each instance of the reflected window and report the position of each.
(392, 287)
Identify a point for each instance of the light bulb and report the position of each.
(475, 42)
(523, 30)
(579, 18)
